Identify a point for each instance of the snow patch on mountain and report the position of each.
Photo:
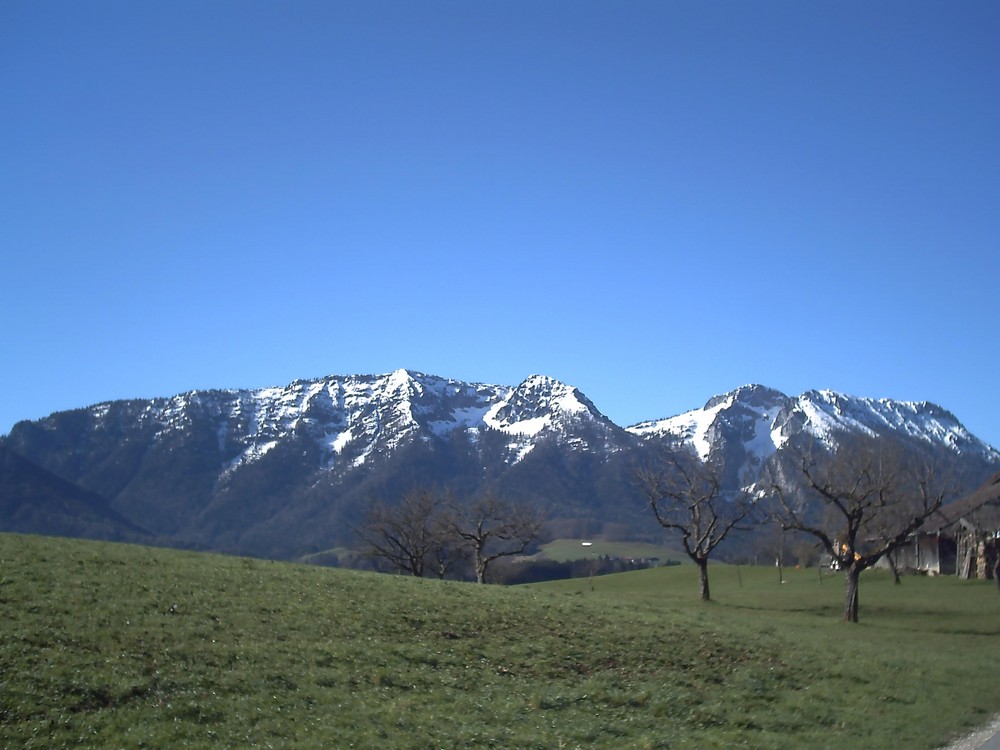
(751, 411)
(468, 417)
(825, 416)
(690, 427)
(768, 438)
(338, 441)
(251, 454)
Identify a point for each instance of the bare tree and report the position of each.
(490, 528)
(449, 553)
(410, 534)
(871, 498)
(687, 497)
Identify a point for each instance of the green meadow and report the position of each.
(573, 549)
(106, 645)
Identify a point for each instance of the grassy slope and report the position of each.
(113, 645)
(572, 549)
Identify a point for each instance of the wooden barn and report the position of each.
(961, 539)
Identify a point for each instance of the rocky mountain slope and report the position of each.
(33, 500)
(286, 471)
(743, 429)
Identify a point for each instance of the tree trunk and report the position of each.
(703, 577)
(891, 558)
(851, 600)
(480, 566)
(416, 566)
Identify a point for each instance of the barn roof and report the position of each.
(979, 510)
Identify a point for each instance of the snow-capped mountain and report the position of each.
(747, 416)
(540, 407)
(745, 428)
(352, 419)
(283, 470)
(249, 469)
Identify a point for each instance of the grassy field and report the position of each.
(572, 549)
(107, 645)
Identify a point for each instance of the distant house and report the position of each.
(960, 539)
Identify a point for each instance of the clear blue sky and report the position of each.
(654, 201)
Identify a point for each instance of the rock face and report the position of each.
(286, 471)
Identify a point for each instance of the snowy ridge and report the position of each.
(752, 423)
(690, 427)
(350, 419)
(918, 420)
(752, 410)
(537, 406)
(360, 415)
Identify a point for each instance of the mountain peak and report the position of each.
(746, 416)
(536, 403)
(828, 412)
(751, 395)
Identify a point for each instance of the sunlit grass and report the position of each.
(118, 646)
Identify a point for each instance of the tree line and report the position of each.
(431, 533)
(859, 504)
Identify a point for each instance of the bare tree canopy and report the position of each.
(411, 535)
(686, 496)
(490, 528)
(861, 503)
(426, 532)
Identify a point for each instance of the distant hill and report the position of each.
(35, 501)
